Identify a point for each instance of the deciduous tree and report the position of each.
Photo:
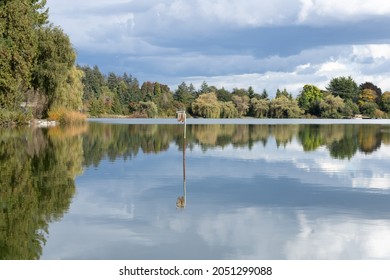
(259, 107)
(309, 99)
(207, 106)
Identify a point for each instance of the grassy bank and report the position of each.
(65, 116)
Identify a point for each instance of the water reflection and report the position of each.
(182, 200)
(342, 141)
(257, 192)
(37, 171)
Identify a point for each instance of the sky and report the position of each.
(266, 44)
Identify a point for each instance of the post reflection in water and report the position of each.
(182, 200)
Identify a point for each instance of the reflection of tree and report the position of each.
(310, 137)
(221, 135)
(284, 134)
(112, 141)
(347, 146)
(343, 141)
(369, 138)
(313, 136)
(386, 136)
(37, 172)
(344, 148)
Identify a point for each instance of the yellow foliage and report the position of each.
(65, 116)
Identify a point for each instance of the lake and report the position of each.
(232, 189)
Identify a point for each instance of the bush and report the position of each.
(14, 118)
(65, 116)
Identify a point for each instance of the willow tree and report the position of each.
(259, 107)
(54, 67)
(284, 107)
(206, 106)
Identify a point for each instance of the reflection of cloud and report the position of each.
(317, 167)
(339, 238)
(259, 233)
(249, 233)
(377, 181)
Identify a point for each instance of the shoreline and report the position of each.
(248, 121)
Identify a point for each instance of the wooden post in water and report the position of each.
(181, 201)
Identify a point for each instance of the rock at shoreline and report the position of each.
(44, 123)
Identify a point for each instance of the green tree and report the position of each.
(147, 91)
(93, 80)
(70, 93)
(264, 94)
(350, 109)
(251, 92)
(345, 87)
(240, 92)
(367, 102)
(204, 88)
(309, 99)
(19, 20)
(224, 95)
(149, 108)
(184, 94)
(284, 92)
(56, 58)
(385, 101)
(331, 107)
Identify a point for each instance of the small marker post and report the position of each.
(181, 117)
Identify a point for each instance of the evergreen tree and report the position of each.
(264, 94)
(18, 47)
(345, 87)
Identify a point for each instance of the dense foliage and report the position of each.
(111, 94)
(38, 171)
(37, 63)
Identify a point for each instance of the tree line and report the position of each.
(123, 95)
(39, 79)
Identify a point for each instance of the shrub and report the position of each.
(14, 118)
(65, 116)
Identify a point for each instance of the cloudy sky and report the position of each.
(232, 43)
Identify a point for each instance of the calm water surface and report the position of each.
(265, 190)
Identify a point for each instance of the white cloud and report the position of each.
(361, 62)
(250, 13)
(326, 11)
(155, 38)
